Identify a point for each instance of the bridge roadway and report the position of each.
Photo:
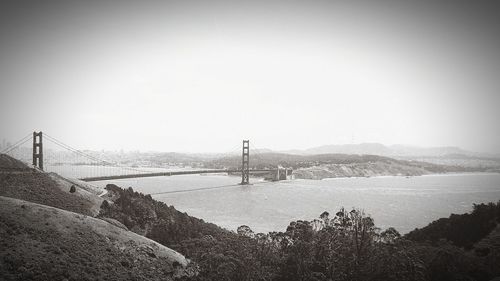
(172, 173)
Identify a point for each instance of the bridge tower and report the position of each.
(245, 163)
(37, 150)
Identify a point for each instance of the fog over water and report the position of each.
(199, 76)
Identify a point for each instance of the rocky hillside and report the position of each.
(368, 169)
(330, 166)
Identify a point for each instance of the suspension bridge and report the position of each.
(71, 162)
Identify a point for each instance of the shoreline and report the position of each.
(402, 176)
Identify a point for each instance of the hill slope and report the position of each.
(462, 230)
(41, 242)
(337, 165)
(55, 237)
(48, 190)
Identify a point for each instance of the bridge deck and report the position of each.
(172, 173)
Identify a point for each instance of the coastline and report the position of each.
(403, 176)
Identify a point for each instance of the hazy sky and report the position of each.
(202, 76)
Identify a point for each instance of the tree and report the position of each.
(246, 231)
(389, 235)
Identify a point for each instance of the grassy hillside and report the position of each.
(9, 164)
(41, 188)
(59, 239)
(46, 243)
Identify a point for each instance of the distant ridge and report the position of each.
(397, 150)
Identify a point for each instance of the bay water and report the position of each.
(404, 203)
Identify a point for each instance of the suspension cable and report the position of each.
(17, 144)
(79, 152)
(67, 147)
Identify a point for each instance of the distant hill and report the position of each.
(383, 150)
(447, 155)
(337, 165)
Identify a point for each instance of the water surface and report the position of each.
(404, 203)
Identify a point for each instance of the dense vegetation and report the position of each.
(462, 230)
(143, 215)
(344, 246)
